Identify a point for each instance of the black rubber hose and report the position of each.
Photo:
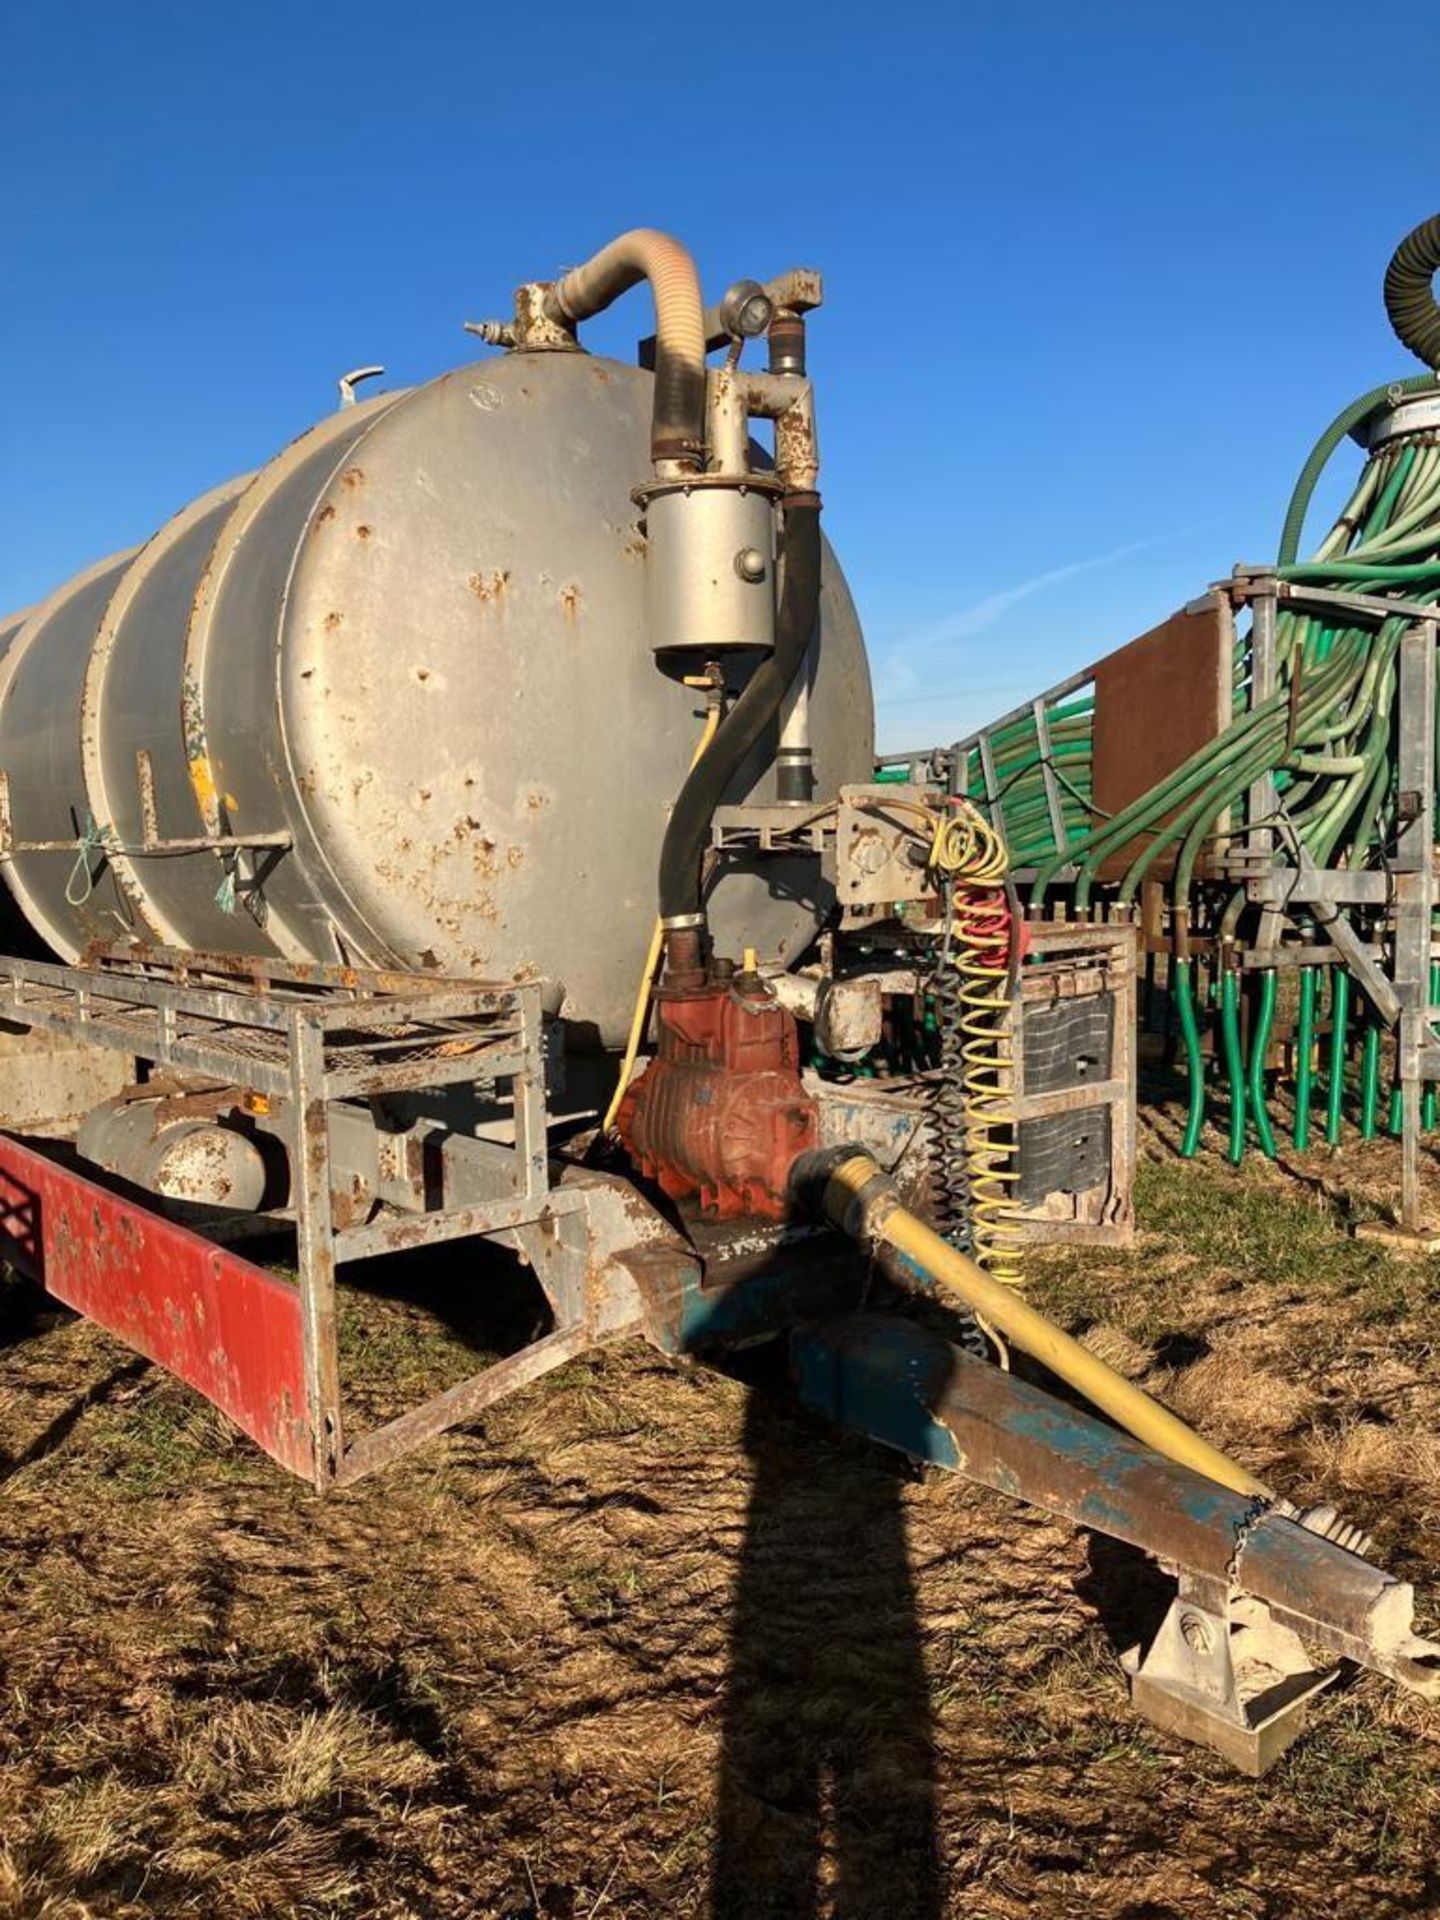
(1410, 294)
(688, 833)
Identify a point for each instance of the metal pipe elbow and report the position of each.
(790, 402)
(678, 424)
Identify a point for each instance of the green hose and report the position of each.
(1194, 1060)
(1335, 1086)
(1234, 1072)
(1319, 459)
(1319, 571)
(1259, 1044)
(1369, 1078)
(1304, 1057)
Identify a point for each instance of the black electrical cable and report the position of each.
(688, 833)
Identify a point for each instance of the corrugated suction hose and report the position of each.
(677, 429)
(1410, 292)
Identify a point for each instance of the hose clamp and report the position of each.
(1416, 413)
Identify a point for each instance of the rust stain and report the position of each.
(489, 586)
(353, 477)
(203, 782)
(570, 602)
(363, 532)
(325, 513)
(333, 620)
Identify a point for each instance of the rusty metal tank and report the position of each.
(392, 700)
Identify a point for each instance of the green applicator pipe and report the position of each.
(1194, 1059)
(1234, 1071)
(1304, 1058)
(1339, 1022)
(1369, 1077)
(1259, 1046)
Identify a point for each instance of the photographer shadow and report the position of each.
(828, 1769)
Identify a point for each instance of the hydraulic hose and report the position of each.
(849, 1189)
(657, 941)
(1410, 294)
(677, 427)
(688, 831)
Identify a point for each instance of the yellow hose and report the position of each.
(970, 853)
(657, 940)
(883, 1218)
(989, 1067)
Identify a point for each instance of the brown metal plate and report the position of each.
(1157, 701)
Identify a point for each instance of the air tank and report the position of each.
(392, 700)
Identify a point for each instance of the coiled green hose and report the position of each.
(1344, 423)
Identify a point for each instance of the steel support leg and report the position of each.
(1230, 1666)
(1413, 867)
(315, 1244)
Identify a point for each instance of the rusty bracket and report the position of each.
(103, 840)
(880, 858)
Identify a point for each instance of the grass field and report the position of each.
(647, 1642)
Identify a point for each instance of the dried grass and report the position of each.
(508, 1679)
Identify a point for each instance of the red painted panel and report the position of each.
(224, 1325)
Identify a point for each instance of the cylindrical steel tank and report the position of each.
(406, 667)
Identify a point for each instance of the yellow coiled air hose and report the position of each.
(970, 858)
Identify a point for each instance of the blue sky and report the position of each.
(1096, 276)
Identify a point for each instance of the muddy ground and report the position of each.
(648, 1641)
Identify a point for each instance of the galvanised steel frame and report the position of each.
(303, 1038)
